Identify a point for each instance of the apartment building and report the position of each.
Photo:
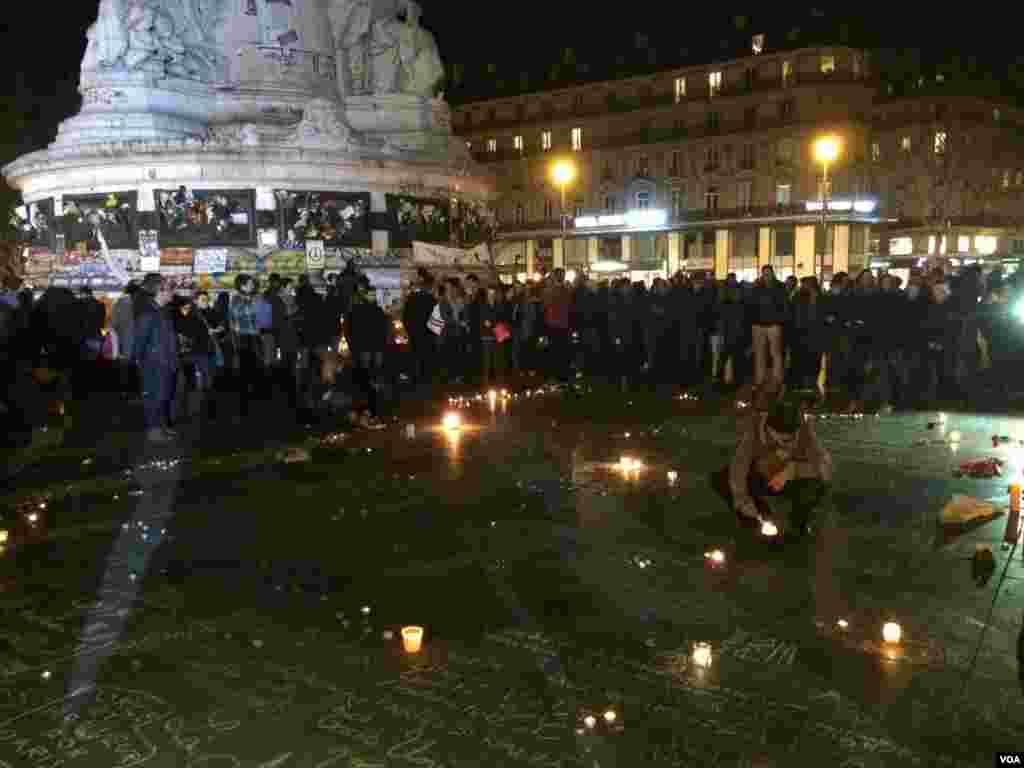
(714, 168)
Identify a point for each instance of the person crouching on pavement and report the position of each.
(155, 351)
(778, 456)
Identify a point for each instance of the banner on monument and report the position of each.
(176, 257)
(427, 254)
(210, 261)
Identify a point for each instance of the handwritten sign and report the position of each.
(211, 261)
(315, 254)
(759, 650)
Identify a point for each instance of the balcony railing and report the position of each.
(667, 100)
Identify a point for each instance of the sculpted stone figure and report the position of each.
(385, 65)
(422, 69)
(351, 24)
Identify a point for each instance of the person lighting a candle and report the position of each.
(778, 456)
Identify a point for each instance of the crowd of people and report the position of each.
(869, 340)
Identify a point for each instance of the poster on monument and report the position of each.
(149, 251)
(210, 261)
(418, 219)
(206, 217)
(336, 218)
(114, 213)
(315, 254)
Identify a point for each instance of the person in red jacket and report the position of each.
(557, 304)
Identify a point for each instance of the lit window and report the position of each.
(711, 199)
(1020, 178)
(680, 89)
(577, 139)
(997, 115)
(783, 194)
(492, 145)
(905, 143)
(517, 142)
(714, 83)
(744, 193)
(520, 215)
(876, 152)
(940, 142)
(856, 65)
(986, 245)
(787, 72)
(469, 145)
(931, 245)
(643, 200)
(963, 244)
(548, 208)
(901, 246)
(942, 246)
(545, 140)
(677, 202)
(1006, 179)
(827, 65)
(785, 150)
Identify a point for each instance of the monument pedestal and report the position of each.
(398, 113)
(137, 106)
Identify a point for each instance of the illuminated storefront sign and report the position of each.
(858, 206)
(633, 219)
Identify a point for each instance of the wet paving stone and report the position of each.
(219, 610)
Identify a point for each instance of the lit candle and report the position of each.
(610, 716)
(716, 556)
(769, 529)
(702, 655)
(843, 624)
(412, 639)
(892, 632)
(4, 536)
(672, 477)
(452, 421)
(590, 721)
(33, 518)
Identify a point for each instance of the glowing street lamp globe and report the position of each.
(826, 149)
(563, 172)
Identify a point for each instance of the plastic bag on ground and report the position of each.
(965, 509)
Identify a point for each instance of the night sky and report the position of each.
(522, 40)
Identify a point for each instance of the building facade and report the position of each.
(713, 168)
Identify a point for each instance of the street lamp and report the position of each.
(826, 151)
(563, 172)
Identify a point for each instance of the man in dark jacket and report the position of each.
(155, 351)
(415, 314)
(768, 312)
(367, 330)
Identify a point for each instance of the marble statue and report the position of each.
(107, 38)
(322, 127)
(422, 69)
(385, 65)
(351, 24)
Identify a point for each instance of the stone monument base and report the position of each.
(397, 114)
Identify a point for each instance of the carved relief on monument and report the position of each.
(172, 38)
(322, 127)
